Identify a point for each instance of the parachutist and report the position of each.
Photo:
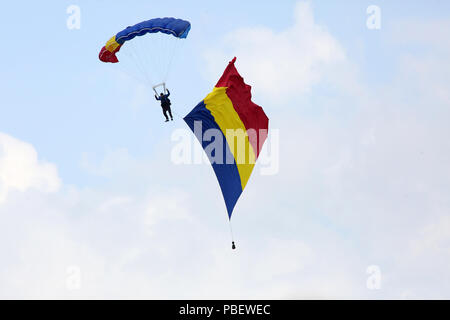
(233, 246)
(165, 104)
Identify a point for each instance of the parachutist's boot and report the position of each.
(167, 120)
(171, 119)
(233, 245)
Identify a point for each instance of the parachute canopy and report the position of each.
(171, 26)
(229, 110)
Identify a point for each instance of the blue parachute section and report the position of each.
(177, 27)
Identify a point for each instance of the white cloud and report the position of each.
(410, 31)
(170, 205)
(118, 160)
(281, 64)
(434, 238)
(21, 170)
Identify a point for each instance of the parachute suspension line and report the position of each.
(153, 49)
(136, 48)
(147, 55)
(146, 52)
(174, 50)
(139, 64)
(170, 53)
(134, 58)
(137, 74)
(163, 53)
(160, 50)
(233, 246)
(152, 57)
(122, 67)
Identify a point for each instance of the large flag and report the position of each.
(232, 130)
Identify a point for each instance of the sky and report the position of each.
(349, 200)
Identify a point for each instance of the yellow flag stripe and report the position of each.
(232, 127)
